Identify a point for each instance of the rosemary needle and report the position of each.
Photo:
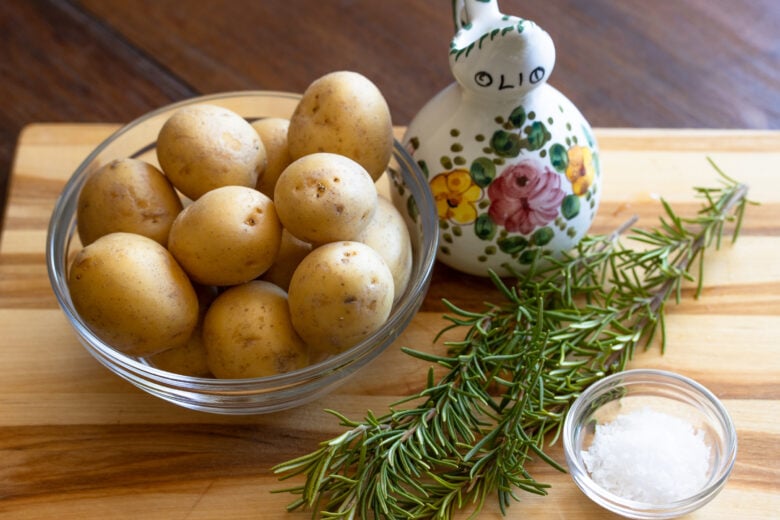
(507, 385)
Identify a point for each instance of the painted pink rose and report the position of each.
(525, 196)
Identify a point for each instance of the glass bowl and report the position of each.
(408, 189)
(678, 422)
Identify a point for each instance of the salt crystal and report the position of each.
(648, 456)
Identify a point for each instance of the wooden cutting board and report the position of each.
(78, 442)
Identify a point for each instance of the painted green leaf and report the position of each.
(424, 167)
(528, 256)
(505, 144)
(543, 236)
(538, 135)
(570, 207)
(512, 245)
(483, 171)
(517, 117)
(559, 157)
(484, 227)
(411, 209)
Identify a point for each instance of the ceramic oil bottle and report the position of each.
(511, 162)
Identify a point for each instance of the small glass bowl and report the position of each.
(659, 391)
(409, 190)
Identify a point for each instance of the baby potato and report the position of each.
(202, 147)
(343, 112)
(248, 333)
(190, 358)
(291, 252)
(340, 294)
(325, 197)
(228, 236)
(387, 235)
(126, 195)
(133, 294)
(186, 360)
(273, 134)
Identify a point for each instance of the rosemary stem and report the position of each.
(508, 383)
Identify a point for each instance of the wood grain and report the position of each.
(77, 442)
(676, 64)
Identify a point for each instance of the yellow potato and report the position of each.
(133, 294)
(325, 197)
(388, 235)
(273, 134)
(203, 147)
(186, 360)
(340, 294)
(127, 195)
(228, 236)
(248, 333)
(189, 359)
(291, 252)
(343, 112)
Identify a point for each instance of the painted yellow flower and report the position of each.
(580, 170)
(456, 196)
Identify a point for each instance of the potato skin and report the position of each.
(343, 112)
(186, 360)
(203, 147)
(388, 235)
(127, 195)
(325, 197)
(190, 358)
(228, 236)
(133, 294)
(248, 333)
(291, 252)
(273, 134)
(340, 294)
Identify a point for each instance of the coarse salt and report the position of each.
(648, 456)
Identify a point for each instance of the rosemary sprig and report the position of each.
(507, 385)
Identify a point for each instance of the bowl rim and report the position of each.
(57, 239)
(634, 508)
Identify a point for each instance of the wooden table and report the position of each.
(675, 64)
(77, 442)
